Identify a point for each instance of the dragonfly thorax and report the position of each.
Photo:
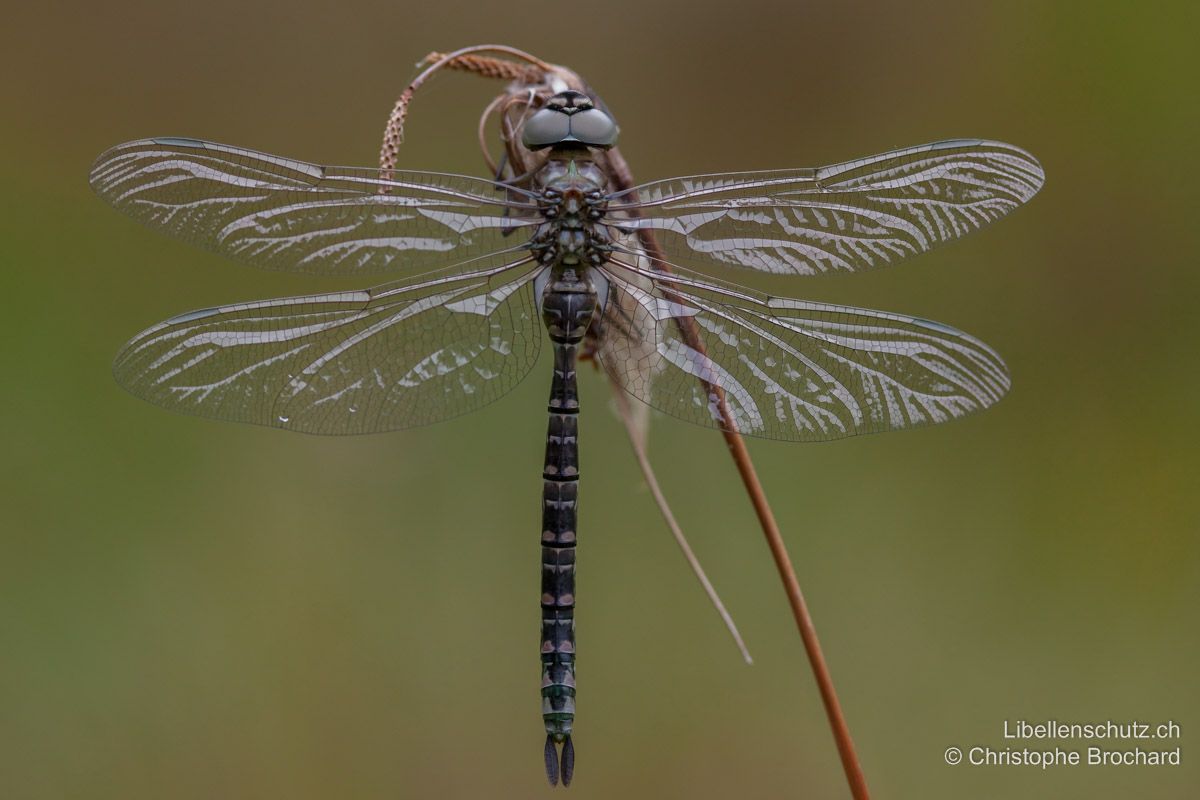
(572, 201)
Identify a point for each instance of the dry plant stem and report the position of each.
(808, 633)
(481, 132)
(491, 67)
(639, 452)
(766, 518)
(468, 59)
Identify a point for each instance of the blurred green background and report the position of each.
(190, 609)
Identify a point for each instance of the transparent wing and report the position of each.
(843, 218)
(281, 214)
(787, 369)
(392, 357)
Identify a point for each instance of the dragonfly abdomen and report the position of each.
(568, 305)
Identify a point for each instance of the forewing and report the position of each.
(844, 218)
(280, 214)
(348, 362)
(786, 369)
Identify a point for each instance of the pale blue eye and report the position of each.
(594, 127)
(545, 128)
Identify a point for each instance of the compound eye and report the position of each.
(545, 128)
(594, 127)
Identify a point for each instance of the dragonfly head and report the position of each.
(569, 117)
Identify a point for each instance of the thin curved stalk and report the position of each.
(639, 451)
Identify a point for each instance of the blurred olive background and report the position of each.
(190, 609)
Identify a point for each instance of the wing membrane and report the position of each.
(348, 362)
(280, 214)
(843, 218)
(788, 369)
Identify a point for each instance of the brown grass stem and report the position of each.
(639, 450)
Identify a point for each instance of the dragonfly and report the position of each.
(490, 271)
